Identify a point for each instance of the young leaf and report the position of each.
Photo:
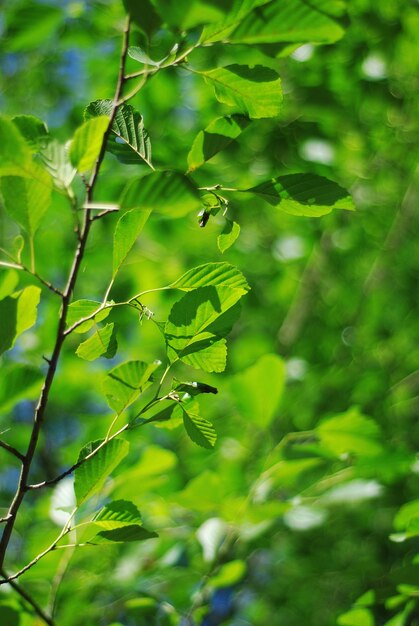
(216, 274)
(83, 308)
(125, 383)
(169, 193)
(228, 236)
(304, 194)
(129, 141)
(102, 343)
(90, 477)
(221, 30)
(87, 142)
(27, 199)
(200, 430)
(127, 230)
(18, 313)
(216, 136)
(255, 92)
(258, 390)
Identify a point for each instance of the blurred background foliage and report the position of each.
(270, 527)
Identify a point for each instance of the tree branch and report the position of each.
(66, 299)
(12, 450)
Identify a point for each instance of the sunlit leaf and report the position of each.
(56, 159)
(304, 194)
(125, 383)
(228, 236)
(293, 21)
(87, 142)
(216, 274)
(27, 199)
(18, 313)
(255, 91)
(102, 343)
(91, 476)
(127, 230)
(194, 321)
(200, 430)
(128, 141)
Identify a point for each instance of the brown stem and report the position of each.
(66, 299)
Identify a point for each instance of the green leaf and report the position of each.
(199, 430)
(208, 355)
(15, 155)
(138, 54)
(119, 521)
(407, 518)
(212, 274)
(126, 382)
(292, 21)
(228, 236)
(18, 382)
(216, 136)
(34, 131)
(56, 159)
(195, 321)
(9, 280)
(90, 477)
(128, 141)
(18, 313)
(255, 92)
(187, 14)
(258, 390)
(169, 193)
(83, 308)
(221, 30)
(102, 343)
(87, 142)
(357, 616)
(350, 433)
(27, 199)
(304, 194)
(127, 230)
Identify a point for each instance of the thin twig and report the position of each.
(21, 267)
(70, 470)
(29, 600)
(12, 450)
